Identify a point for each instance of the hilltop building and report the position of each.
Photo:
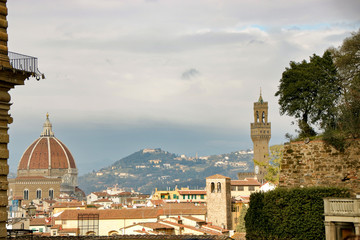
(46, 169)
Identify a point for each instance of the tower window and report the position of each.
(212, 187)
(51, 193)
(263, 117)
(38, 194)
(26, 194)
(257, 116)
(219, 187)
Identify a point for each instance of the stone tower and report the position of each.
(13, 72)
(260, 135)
(218, 201)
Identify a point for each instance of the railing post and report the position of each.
(326, 206)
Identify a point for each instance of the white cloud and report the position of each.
(120, 62)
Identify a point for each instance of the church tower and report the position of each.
(260, 135)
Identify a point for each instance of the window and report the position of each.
(183, 196)
(263, 117)
(233, 208)
(51, 193)
(202, 196)
(219, 187)
(212, 187)
(233, 188)
(38, 194)
(175, 196)
(26, 194)
(240, 188)
(251, 188)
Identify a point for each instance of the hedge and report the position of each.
(289, 213)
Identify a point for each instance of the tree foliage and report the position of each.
(347, 61)
(308, 91)
(295, 213)
(273, 165)
(240, 227)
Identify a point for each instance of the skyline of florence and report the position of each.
(179, 75)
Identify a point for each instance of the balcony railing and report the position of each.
(341, 207)
(25, 63)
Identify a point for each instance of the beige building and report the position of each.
(260, 135)
(108, 222)
(244, 188)
(218, 192)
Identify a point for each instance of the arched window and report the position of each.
(219, 187)
(263, 117)
(212, 187)
(51, 193)
(257, 116)
(26, 194)
(38, 194)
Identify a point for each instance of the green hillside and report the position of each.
(148, 169)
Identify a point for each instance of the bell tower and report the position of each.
(260, 135)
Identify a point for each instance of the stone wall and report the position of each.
(318, 164)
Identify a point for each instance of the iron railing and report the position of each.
(25, 63)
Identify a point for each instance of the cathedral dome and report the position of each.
(47, 156)
(47, 152)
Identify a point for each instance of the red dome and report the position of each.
(47, 152)
(46, 156)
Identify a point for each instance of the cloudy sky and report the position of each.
(182, 75)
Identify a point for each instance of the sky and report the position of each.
(181, 75)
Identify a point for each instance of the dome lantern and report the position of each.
(47, 128)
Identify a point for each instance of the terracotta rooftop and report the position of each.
(142, 213)
(217, 176)
(215, 228)
(37, 222)
(138, 213)
(155, 225)
(192, 228)
(192, 192)
(194, 219)
(100, 194)
(246, 182)
(69, 204)
(102, 200)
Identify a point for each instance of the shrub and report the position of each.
(295, 213)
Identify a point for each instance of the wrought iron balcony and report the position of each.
(25, 63)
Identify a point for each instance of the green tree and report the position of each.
(347, 61)
(273, 165)
(309, 91)
(240, 227)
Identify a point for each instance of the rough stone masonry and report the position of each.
(316, 163)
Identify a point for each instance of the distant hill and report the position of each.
(148, 169)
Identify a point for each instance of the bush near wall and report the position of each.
(289, 213)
